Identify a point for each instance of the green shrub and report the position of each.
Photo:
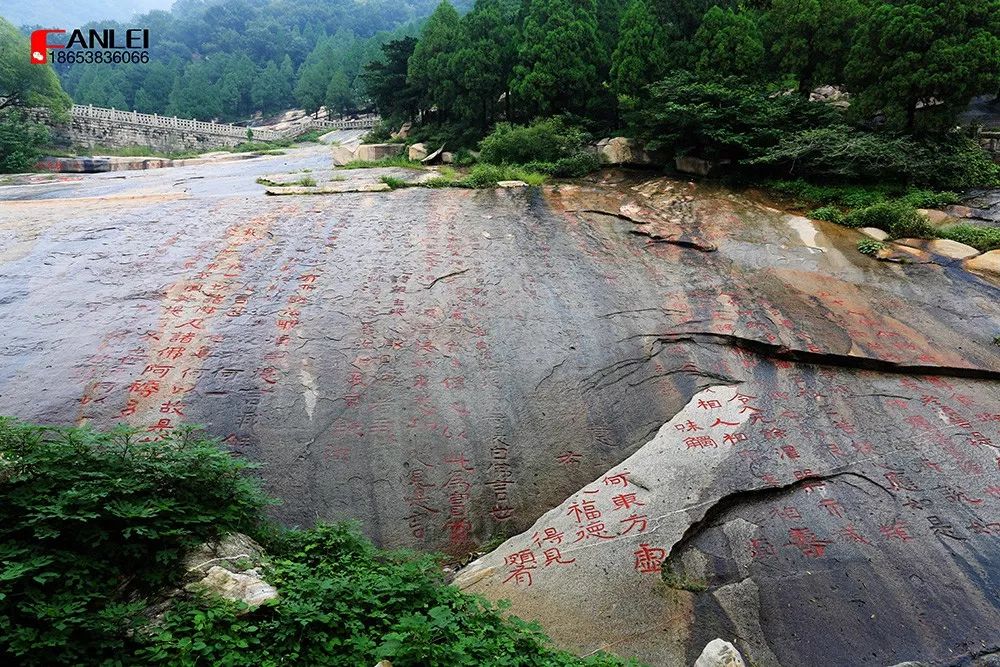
(546, 140)
(929, 198)
(343, 602)
(21, 142)
(870, 247)
(828, 213)
(983, 239)
(578, 165)
(896, 218)
(488, 175)
(91, 523)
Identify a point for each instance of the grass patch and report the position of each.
(828, 214)
(982, 239)
(310, 136)
(859, 196)
(396, 161)
(396, 183)
(488, 175)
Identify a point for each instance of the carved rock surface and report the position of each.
(810, 436)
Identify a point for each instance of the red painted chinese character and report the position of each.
(700, 442)
(649, 560)
(586, 509)
(638, 521)
(553, 555)
(896, 531)
(625, 501)
(806, 541)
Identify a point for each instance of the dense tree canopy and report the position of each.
(641, 55)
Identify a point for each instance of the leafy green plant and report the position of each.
(828, 214)
(870, 247)
(344, 602)
(21, 142)
(898, 219)
(488, 175)
(574, 166)
(91, 523)
(546, 140)
(983, 239)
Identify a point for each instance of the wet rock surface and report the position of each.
(727, 394)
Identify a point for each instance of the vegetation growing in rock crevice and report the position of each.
(94, 526)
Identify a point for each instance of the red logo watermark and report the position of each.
(40, 45)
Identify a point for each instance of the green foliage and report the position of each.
(488, 175)
(23, 84)
(433, 67)
(895, 217)
(545, 140)
(870, 247)
(395, 183)
(641, 55)
(810, 39)
(981, 238)
(728, 43)
(21, 142)
(575, 166)
(397, 161)
(845, 153)
(485, 61)
(828, 214)
(721, 118)
(560, 59)
(860, 196)
(936, 53)
(90, 523)
(345, 603)
(385, 81)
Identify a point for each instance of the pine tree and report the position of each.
(933, 53)
(560, 58)
(810, 39)
(486, 60)
(432, 67)
(729, 43)
(640, 57)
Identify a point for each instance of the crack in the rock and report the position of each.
(447, 275)
(775, 351)
(744, 496)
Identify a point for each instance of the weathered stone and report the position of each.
(376, 152)
(344, 154)
(719, 653)
(430, 380)
(511, 184)
(688, 164)
(936, 217)
(404, 131)
(246, 587)
(329, 189)
(417, 152)
(987, 264)
(951, 249)
(447, 158)
(875, 233)
(622, 151)
(899, 253)
(383, 663)
(235, 552)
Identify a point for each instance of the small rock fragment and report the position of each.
(719, 653)
(511, 184)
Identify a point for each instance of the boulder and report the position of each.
(343, 154)
(375, 152)
(687, 164)
(622, 151)
(447, 158)
(936, 217)
(246, 587)
(404, 131)
(943, 247)
(875, 233)
(719, 653)
(417, 152)
(951, 249)
(987, 264)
